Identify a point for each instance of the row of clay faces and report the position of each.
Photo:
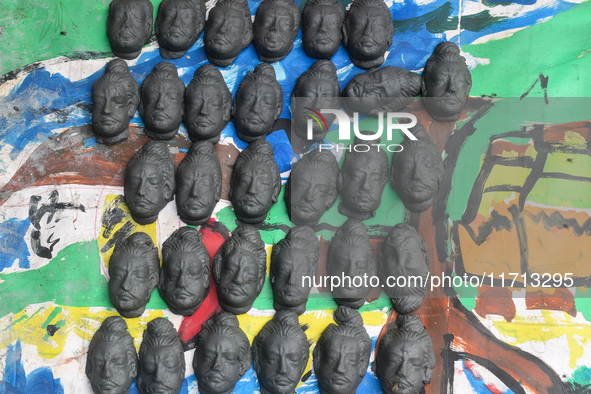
(205, 105)
(311, 189)
(366, 29)
(280, 352)
(239, 269)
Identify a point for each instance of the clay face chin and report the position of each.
(275, 28)
(228, 31)
(129, 26)
(367, 34)
(321, 30)
(178, 25)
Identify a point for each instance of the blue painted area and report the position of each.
(477, 384)
(12, 243)
(90, 143)
(16, 381)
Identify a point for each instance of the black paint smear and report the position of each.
(39, 249)
(558, 386)
(436, 21)
(543, 83)
(113, 215)
(36, 213)
(453, 146)
(218, 227)
(52, 329)
(262, 226)
(480, 21)
(306, 376)
(557, 220)
(124, 232)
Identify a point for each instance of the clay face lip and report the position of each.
(250, 201)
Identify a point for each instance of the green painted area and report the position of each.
(572, 193)
(32, 31)
(581, 375)
(510, 114)
(557, 48)
(569, 163)
(51, 316)
(72, 278)
(467, 294)
(583, 303)
(504, 175)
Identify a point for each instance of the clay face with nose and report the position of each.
(162, 104)
(129, 26)
(208, 103)
(255, 182)
(405, 357)
(361, 182)
(222, 354)
(178, 25)
(111, 365)
(280, 354)
(446, 82)
(239, 269)
(321, 28)
(276, 26)
(149, 182)
(228, 31)
(184, 275)
(257, 104)
(294, 258)
(133, 274)
(367, 32)
(115, 97)
(162, 362)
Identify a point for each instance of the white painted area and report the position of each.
(69, 225)
(497, 36)
(76, 70)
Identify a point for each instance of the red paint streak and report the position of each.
(495, 301)
(556, 133)
(500, 146)
(64, 159)
(556, 300)
(191, 325)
